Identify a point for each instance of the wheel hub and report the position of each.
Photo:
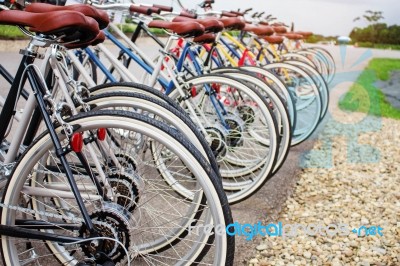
(235, 132)
(112, 222)
(246, 113)
(217, 140)
(127, 188)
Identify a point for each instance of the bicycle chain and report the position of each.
(42, 213)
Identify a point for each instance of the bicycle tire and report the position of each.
(319, 81)
(242, 173)
(157, 110)
(304, 88)
(281, 111)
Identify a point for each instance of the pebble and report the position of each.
(354, 244)
(277, 247)
(348, 252)
(262, 247)
(381, 251)
(307, 255)
(266, 253)
(354, 236)
(335, 247)
(364, 221)
(253, 261)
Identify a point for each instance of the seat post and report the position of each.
(157, 68)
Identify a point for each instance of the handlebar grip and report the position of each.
(140, 9)
(209, 1)
(188, 15)
(237, 13)
(228, 14)
(247, 10)
(164, 8)
(155, 10)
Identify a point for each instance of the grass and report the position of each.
(10, 32)
(383, 67)
(379, 46)
(126, 28)
(364, 97)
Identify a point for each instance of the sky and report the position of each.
(326, 17)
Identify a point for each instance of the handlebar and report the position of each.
(122, 7)
(237, 13)
(141, 9)
(228, 14)
(164, 8)
(187, 14)
(247, 10)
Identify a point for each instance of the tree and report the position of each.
(379, 33)
(371, 16)
(371, 33)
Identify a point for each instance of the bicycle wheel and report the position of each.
(318, 60)
(148, 218)
(318, 80)
(135, 88)
(156, 109)
(302, 58)
(306, 97)
(277, 104)
(278, 84)
(241, 128)
(328, 58)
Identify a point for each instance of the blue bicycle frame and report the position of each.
(168, 86)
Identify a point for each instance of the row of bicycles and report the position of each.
(117, 156)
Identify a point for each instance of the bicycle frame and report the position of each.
(168, 82)
(237, 59)
(25, 72)
(60, 72)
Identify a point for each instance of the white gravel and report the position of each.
(358, 183)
